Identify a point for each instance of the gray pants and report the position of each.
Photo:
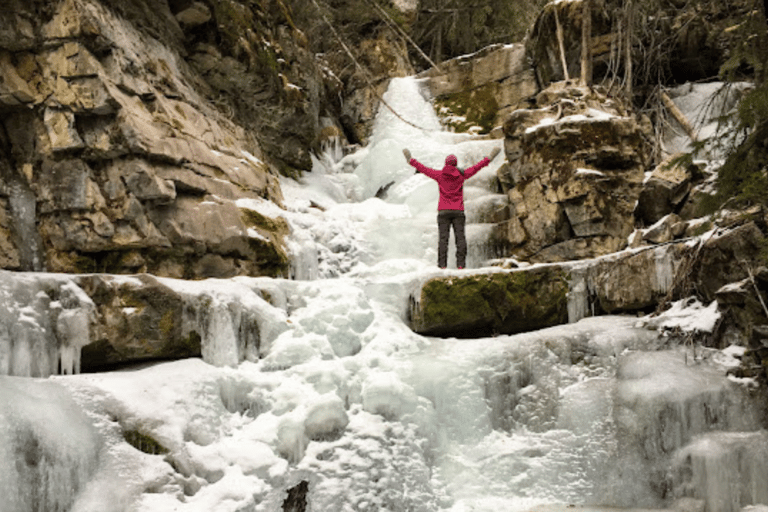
(446, 219)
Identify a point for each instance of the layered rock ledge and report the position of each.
(507, 301)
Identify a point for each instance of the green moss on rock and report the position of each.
(277, 225)
(465, 110)
(487, 304)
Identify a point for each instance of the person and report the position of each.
(450, 207)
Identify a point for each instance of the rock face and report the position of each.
(574, 172)
(130, 132)
(476, 92)
(112, 150)
(384, 56)
(93, 322)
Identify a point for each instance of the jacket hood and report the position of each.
(450, 166)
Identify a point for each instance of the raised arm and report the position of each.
(423, 169)
(471, 171)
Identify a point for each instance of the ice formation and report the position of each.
(317, 383)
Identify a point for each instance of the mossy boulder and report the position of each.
(470, 111)
(476, 92)
(504, 302)
(137, 319)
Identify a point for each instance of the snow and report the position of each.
(703, 105)
(319, 379)
(406, 5)
(688, 315)
(589, 172)
(592, 115)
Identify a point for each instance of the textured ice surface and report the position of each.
(49, 448)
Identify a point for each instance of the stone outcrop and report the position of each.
(113, 149)
(94, 322)
(634, 280)
(525, 299)
(476, 92)
(486, 304)
(574, 171)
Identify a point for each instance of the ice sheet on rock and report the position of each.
(663, 403)
(688, 315)
(689, 392)
(702, 105)
(48, 446)
(234, 321)
(330, 321)
(379, 465)
(727, 470)
(205, 416)
(511, 414)
(44, 323)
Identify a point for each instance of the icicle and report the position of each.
(727, 470)
(304, 261)
(50, 444)
(665, 269)
(219, 339)
(578, 296)
(73, 332)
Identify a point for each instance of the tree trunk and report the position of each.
(630, 21)
(586, 43)
(561, 45)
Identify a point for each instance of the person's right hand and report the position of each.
(407, 155)
(494, 152)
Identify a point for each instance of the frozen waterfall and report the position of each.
(317, 387)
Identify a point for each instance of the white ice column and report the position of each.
(48, 446)
(726, 470)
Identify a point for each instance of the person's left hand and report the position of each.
(407, 155)
(494, 152)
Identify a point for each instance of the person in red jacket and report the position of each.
(450, 207)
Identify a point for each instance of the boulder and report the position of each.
(575, 167)
(194, 15)
(665, 230)
(483, 88)
(494, 303)
(530, 298)
(725, 257)
(136, 319)
(665, 190)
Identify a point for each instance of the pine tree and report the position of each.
(743, 179)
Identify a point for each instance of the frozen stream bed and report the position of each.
(596, 413)
(346, 409)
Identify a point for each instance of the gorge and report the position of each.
(190, 323)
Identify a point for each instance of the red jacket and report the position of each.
(450, 181)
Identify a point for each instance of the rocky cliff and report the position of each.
(131, 130)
